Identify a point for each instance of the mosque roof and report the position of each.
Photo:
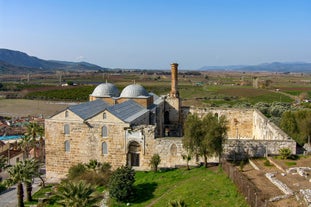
(89, 109)
(106, 90)
(134, 90)
(127, 111)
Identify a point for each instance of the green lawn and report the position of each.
(197, 187)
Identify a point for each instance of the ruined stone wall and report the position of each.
(171, 150)
(240, 121)
(238, 149)
(264, 129)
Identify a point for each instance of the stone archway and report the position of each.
(133, 155)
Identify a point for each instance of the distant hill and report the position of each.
(295, 67)
(19, 62)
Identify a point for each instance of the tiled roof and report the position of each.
(89, 109)
(127, 111)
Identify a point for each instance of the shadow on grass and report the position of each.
(144, 192)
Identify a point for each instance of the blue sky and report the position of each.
(151, 34)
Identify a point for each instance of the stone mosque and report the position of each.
(128, 128)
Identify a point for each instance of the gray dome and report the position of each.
(106, 90)
(134, 90)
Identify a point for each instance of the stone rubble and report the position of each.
(283, 187)
(302, 171)
(306, 194)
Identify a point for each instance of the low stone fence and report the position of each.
(254, 196)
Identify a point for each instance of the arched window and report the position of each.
(67, 146)
(66, 129)
(104, 115)
(104, 131)
(104, 148)
(66, 114)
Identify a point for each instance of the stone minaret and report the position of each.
(172, 122)
(174, 82)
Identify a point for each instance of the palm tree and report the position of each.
(17, 176)
(93, 165)
(26, 144)
(73, 194)
(23, 171)
(32, 170)
(34, 130)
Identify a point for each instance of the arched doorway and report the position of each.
(133, 154)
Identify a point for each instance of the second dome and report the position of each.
(134, 90)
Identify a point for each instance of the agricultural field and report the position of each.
(209, 89)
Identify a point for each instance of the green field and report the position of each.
(225, 89)
(197, 187)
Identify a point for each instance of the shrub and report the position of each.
(76, 171)
(2, 187)
(154, 162)
(95, 178)
(267, 163)
(285, 153)
(177, 203)
(121, 183)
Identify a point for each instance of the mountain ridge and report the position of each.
(285, 67)
(13, 61)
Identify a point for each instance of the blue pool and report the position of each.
(10, 137)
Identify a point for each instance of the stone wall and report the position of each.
(240, 121)
(171, 150)
(238, 149)
(264, 129)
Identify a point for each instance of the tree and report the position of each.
(23, 172)
(187, 157)
(205, 136)
(31, 168)
(78, 194)
(34, 130)
(297, 124)
(26, 144)
(285, 153)
(3, 162)
(154, 162)
(121, 183)
(17, 176)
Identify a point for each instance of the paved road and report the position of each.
(9, 198)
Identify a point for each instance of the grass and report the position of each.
(289, 164)
(197, 187)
